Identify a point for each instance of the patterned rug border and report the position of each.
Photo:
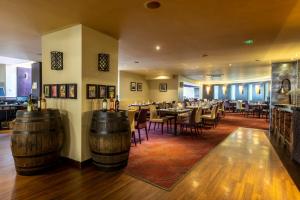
(180, 178)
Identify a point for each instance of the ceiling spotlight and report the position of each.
(136, 62)
(157, 47)
(204, 55)
(152, 4)
(257, 60)
(230, 65)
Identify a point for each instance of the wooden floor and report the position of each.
(244, 166)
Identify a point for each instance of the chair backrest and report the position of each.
(179, 105)
(214, 111)
(142, 117)
(131, 115)
(193, 116)
(198, 115)
(153, 112)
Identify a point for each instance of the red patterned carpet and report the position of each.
(164, 159)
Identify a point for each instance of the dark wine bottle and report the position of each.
(117, 104)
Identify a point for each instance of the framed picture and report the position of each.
(139, 86)
(102, 91)
(47, 91)
(111, 91)
(62, 91)
(54, 93)
(132, 86)
(163, 87)
(72, 91)
(91, 91)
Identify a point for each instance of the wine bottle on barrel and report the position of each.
(29, 104)
(111, 104)
(104, 104)
(117, 104)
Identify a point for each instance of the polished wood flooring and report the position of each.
(244, 166)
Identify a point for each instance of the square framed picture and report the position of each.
(163, 87)
(62, 91)
(91, 91)
(111, 91)
(102, 91)
(47, 91)
(139, 86)
(54, 92)
(72, 91)
(132, 86)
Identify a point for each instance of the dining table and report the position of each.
(174, 112)
(258, 107)
(140, 105)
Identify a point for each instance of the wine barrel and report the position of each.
(56, 125)
(34, 142)
(109, 139)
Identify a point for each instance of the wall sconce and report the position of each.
(241, 89)
(257, 89)
(224, 88)
(285, 86)
(103, 62)
(207, 89)
(57, 60)
(26, 75)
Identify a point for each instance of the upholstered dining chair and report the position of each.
(190, 122)
(239, 106)
(212, 117)
(154, 118)
(131, 116)
(141, 123)
(198, 119)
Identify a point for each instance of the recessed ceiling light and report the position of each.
(136, 62)
(152, 4)
(204, 55)
(157, 47)
(230, 65)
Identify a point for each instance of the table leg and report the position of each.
(175, 125)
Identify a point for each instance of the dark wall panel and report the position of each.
(23, 81)
(37, 78)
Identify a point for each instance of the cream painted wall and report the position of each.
(68, 41)
(126, 95)
(170, 95)
(93, 43)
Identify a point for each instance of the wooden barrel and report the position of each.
(34, 142)
(56, 124)
(109, 139)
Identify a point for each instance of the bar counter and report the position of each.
(286, 128)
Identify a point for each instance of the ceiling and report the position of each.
(185, 30)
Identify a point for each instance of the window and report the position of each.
(232, 92)
(250, 92)
(216, 92)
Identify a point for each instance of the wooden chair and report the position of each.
(142, 123)
(154, 118)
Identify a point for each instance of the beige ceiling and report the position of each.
(185, 30)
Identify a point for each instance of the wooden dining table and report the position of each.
(174, 112)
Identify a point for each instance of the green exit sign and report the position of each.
(248, 42)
